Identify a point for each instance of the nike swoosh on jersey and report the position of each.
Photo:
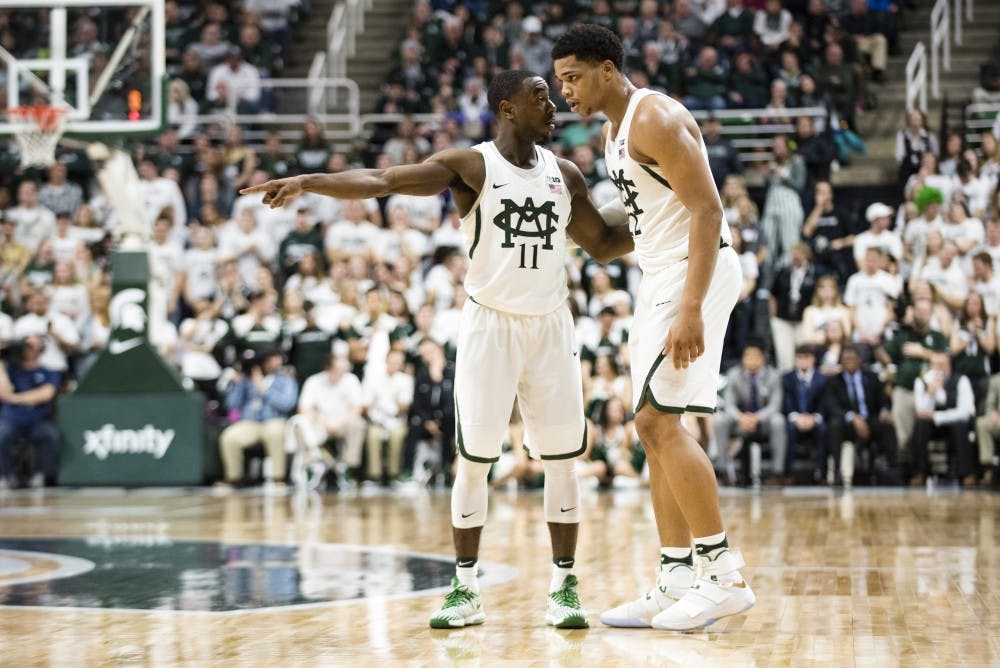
(499, 185)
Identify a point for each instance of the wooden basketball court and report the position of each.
(162, 577)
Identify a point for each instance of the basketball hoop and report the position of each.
(38, 130)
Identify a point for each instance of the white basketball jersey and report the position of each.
(659, 222)
(516, 236)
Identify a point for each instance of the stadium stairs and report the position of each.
(879, 126)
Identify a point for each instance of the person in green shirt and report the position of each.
(303, 238)
(910, 349)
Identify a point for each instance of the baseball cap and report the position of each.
(877, 210)
(531, 24)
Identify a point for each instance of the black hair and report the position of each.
(758, 343)
(590, 43)
(505, 86)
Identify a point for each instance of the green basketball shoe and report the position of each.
(564, 609)
(461, 608)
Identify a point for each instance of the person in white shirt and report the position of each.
(64, 241)
(879, 217)
(234, 84)
(967, 232)
(944, 272)
(158, 193)
(68, 297)
(57, 331)
(330, 406)
(986, 282)
(401, 239)
(166, 263)
(869, 294)
(771, 24)
(353, 235)
(425, 212)
(276, 222)
(915, 236)
(33, 223)
(200, 266)
(387, 398)
(244, 242)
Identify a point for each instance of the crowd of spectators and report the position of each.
(325, 332)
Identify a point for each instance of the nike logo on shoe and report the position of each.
(566, 510)
(469, 515)
(499, 185)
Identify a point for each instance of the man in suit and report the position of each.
(802, 394)
(859, 419)
(752, 413)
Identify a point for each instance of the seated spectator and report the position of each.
(791, 292)
(161, 194)
(748, 83)
(313, 150)
(212, 47)
(259, 329)
(802, 396)
(659, 73)
(909, 348)
(782, 218)
(943, 271)
(860, 24)
(27, 391)
(723, 158)
(912, 142)
(742, 319)
(94, 331)
(986, 282)
(248, 245)
(835, 77)
(304, 238)
(259, 404)
(199, 338)
(817, 150)
(58, 194)
(828, 354)
(692, 26)
(733, 28)
(617, 448)
(706, 82)
(33, 223)
(432, 414)
(951, 153)
(871, 294)
(771, 25)
(352, 236)
(752, 412)
(199, 268)
(387, 401)
(58, 334)
(972, 191)
(918, 232)
(827, 230)
(973, 343)
(878, 235)
(860, 423)
(945, 408)
(825, 307)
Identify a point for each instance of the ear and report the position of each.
(506, 109)
(608, 70)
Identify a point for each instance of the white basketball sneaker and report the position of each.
(671, 585)
(719, 592)
(462, 607)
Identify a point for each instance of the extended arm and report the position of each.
(439, 172)
(587, 227)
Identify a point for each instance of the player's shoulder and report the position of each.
(663, 113)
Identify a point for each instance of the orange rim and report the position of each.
(45, 116)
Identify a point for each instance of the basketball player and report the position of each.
(518, 202)
(656, 157)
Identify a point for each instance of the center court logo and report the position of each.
(111, 441)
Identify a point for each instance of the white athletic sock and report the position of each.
(468, 576)
(561, 569)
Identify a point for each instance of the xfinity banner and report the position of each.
(143, 439)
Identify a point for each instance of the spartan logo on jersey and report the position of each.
(629, 196)
(527, 220)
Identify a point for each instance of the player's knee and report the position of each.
(472, 472)
(562, 491)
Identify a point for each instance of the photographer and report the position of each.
(259, 402)
(28, 390)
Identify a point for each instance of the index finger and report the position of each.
(263, 187)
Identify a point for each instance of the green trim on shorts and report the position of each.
(645, 384)
(648, 394)
(571, 455)
(479, 225)
(461, 441)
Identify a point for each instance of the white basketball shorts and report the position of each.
(531, 358)
(654, 377)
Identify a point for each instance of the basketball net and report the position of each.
(38, 130)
